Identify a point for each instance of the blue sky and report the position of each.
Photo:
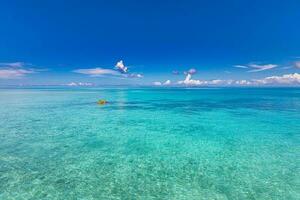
(59, 42)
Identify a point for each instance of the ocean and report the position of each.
(150, 143)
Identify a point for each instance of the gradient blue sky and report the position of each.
(153, 38)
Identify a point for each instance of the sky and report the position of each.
(162, 43)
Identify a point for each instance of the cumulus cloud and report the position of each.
(15, 70)
(192, 82)
(189, 81)
(121, 67)
(287, 79)
(94, 72)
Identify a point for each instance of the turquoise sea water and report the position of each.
(150, 144)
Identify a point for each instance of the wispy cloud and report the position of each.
(287, 67)
(15, 70)
(14, 73)
(94, 72)
(175, 72)
(12, 64)
(134, 75)
(240, 66)
(256, 67)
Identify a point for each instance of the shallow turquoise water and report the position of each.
(150, 144)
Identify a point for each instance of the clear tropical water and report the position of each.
(150, 144)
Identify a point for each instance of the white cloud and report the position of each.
(94, 72)
(72, 84)
(134, 75)
(258, 68)
(240, 66)
(242, 82)
(191, 71)
(287, 79)
(157, 83)
(168, 82)
(12, 64)
(14, 70)
(11, 73)
(189, 81)
(120, 70)
(79, 84)
(121, 67)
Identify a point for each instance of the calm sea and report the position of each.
(147, 143)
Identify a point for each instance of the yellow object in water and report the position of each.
(101, 102)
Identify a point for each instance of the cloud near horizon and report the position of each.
(72, 84)
(158, 83)
(286, 79)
